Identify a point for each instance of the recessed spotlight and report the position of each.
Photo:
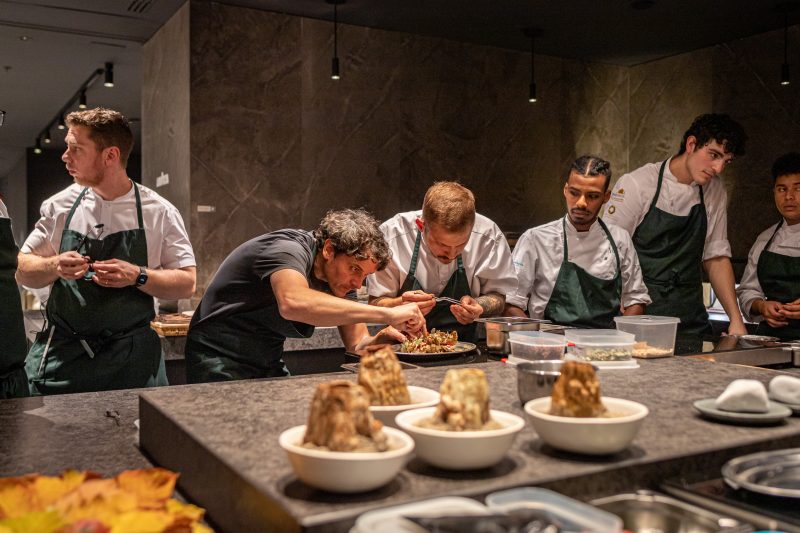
(24, 38)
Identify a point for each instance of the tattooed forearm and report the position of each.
(492, 303)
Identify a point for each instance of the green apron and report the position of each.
(245, 345)
(98, 338)
(779, 277)
(440, 317)
(13, 345)
(670, 249)
(581, 299)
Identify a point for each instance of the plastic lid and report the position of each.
(535, 336)
(574, 515)
(646, 319)
(599, 337)
(391, 518)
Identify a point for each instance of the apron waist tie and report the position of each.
(94, 343)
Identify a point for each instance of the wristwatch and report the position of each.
(142, 278)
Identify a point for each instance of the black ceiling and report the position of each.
(608, 31)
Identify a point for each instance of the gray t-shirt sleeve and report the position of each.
(282, 254)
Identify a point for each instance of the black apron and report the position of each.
(581, 299)
(98, 338)
(246, 345)
(13, 345)
(779, 277)
(440, 317)
(670, 249)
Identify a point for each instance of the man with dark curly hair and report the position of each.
(770, 290)
(283, 284)
(675, 211)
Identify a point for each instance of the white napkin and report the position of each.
(744, 396)
(785, 389)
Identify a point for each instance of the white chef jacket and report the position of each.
(786, 242)
(486, 258)
(3, 210)
(168, 243)
(539, 252)
(632, 194)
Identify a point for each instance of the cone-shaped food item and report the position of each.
(379, 372)
(464, 403)
(340, 420)
(576, 392)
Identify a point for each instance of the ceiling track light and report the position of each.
(335, 59)
(109, 75)
(80, 97)
(532, 34)
(786, 8)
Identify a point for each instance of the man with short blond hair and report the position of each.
(445, 250)
(105, 247)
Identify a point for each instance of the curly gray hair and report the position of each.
(354, 232)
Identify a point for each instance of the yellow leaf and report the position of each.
(141, 522)
(174, 507)
(201, 528)
(37, 522)
(49, 489)
(103, 507)
(15, 501)
(153, 486)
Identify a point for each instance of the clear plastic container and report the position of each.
(600, 345)
(570, 514)
(655, 335)
(536, 345)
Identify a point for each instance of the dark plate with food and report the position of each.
(433, 346)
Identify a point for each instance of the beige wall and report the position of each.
(275, 142)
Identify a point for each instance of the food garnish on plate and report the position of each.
(433, 342)
(340, 420)
(463, 403)
(380, 374)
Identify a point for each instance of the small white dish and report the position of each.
(776, 413)
(591, 436)
(391, 519)
(346, 472)
(461, 450)
(420, 397)
(795, 407)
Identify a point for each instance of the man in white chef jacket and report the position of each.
(675, 212)
(445, 250)
(106, 247)
(578, 270)
(770, 290)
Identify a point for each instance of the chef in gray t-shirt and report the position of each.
(283, 284)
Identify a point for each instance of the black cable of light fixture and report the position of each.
(80, 98)
(335, 59)
(532, 34)
(786, 8)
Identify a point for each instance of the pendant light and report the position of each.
(82, 101)
(532, 33)
(46, 137)
(335, 60)
(109, 75)
(786, 8)
(61, 124)
(37, 149)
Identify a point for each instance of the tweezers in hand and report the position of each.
(446, 299)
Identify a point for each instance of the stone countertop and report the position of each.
(237, 437)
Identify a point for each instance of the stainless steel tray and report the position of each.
(774, 473)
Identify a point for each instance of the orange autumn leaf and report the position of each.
(87, 493)
(153, 486)
(50, 489)
(140, 522)
(85, 526)
(14, 481)
(174, 507)
(102, 507)
(17, 501)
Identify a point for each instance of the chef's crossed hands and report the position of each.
(468, 311)
(72, 265)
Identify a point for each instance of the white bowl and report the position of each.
(420, 397)
(593, 436)
(460, 450)
(346, 471)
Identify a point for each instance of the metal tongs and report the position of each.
(446, 299)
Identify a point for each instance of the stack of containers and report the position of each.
(535, 346)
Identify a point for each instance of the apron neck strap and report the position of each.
(412, 268)
(613, 245)
(74, 205)
(138, 205)
(658, 186)
(766, 246)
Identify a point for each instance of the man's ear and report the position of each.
(607, 196)
(327, 250)
(111, 155)
(691, 144)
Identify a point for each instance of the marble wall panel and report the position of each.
(165, 111)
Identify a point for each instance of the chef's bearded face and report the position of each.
(446, 245)
(585, 196)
